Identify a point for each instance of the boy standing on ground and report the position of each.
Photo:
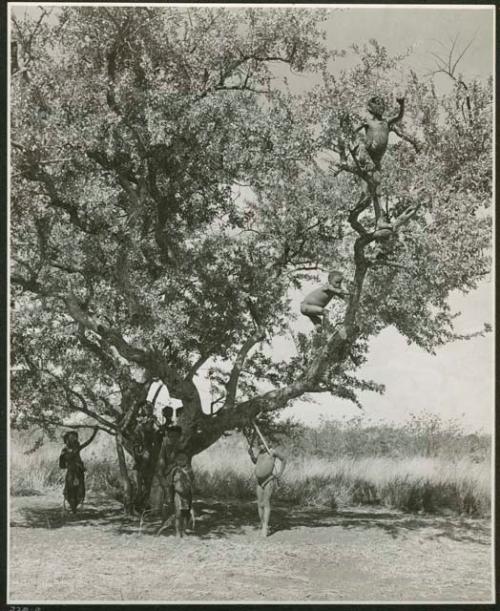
(173, 454)
(70, 459)
(267, 479)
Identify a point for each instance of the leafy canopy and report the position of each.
(170, 195)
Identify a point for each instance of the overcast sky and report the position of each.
(459, 380)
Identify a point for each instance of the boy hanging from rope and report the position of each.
(266, 475)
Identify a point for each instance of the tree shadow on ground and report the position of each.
(395, 523)
(38, 513)
(221, 519)
(218, 519)
(214, 520)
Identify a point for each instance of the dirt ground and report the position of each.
(356, 554)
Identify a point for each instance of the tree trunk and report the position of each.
(145, 467)
(143, 441)
(128, 500)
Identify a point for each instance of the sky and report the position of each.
(458, 382)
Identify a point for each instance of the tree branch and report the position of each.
(198, 363)
(32, 285)
(362, 205)
(107, 404)
(84, 408)
(35, 173)
(232, 384)
(84, 405)
(105, 358)
(413, 141)
(70, 269)
(57, 423)
(125, 349)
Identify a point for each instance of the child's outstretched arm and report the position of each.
(282, 456)
(399, 116)
(363, 125)
(89, 440)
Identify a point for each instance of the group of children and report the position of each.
(367, 154)
(173, 457)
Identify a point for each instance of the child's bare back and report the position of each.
(320, 296)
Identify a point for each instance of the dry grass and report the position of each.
(413, 484)
(224, 471)
(35, 472)
(362, 554)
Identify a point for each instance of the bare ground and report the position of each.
(356, 554)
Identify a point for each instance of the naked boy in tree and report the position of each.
(315, 303)
(377, 131)
(372, 149)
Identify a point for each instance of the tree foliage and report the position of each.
(169, 194)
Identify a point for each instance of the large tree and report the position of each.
(170, 196)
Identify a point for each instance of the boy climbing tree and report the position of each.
(316, 301)
(377, 130)
(369, 152)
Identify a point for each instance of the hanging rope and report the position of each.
(261, 437)
(249, 434)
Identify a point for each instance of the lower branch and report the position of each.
(334, 351)
(232, 385)
(126, 350)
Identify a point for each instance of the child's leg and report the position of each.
(309, 309)
(313, 312)
(178, 526)
(317, 321)
(268, 491)
(260, 502)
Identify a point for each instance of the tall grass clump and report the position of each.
(33, 472)
(224, 471)
(426, 465)
(419, 483)
(34, 466)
